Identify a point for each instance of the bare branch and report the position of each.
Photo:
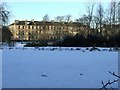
(108, 83)
(46, 17)
(90, 9)
(114, 74)
(4, 14)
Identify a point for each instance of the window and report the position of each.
(38, 31)
(29, 33)
(22, 27)
(56, 27)
(41, 27)
(38, 27)
(28, 27)
(41, 31)
(53, 27)
(49, 27)
(29, 37)
(18, 27)
(19, 33)
(31, 27)
(19, 37)
(46, 27)
(34, 27)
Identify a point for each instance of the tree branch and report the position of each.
(114, 74)
(110, 82)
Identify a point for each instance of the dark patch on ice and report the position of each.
(44, 75)
(81, 74)
(10, 47)
(83, 51)
(104, 49)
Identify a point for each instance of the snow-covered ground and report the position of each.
(53, 68)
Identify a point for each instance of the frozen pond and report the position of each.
(36, 68)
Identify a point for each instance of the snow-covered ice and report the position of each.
(36, 68)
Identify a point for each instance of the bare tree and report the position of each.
(96, 22)
(77, 20)
(84, 19)
(119, 12)
(100, 16)
(68, 18)
(4, 14)
(111, 13)
(114, 10)
(46, 18)
(112, 19)
(4, 18)
(90, 10)
(60, 18)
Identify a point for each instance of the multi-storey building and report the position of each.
(41, 30)
(112, 29)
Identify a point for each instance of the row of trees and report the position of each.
(90, 41)
(65, 18)
(96, 16)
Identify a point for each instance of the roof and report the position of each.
(17, 22)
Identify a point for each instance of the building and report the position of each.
(112, 29)
(41, 30)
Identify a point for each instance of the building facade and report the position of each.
(41, 30)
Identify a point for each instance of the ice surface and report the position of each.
(37, 68)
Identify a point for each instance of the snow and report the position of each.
(19, 44)
(25, 67)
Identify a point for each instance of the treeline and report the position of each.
(89, 41)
